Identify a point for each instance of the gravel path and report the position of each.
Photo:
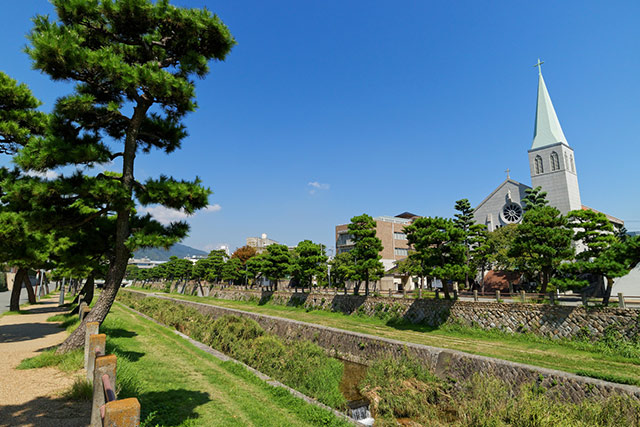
(32, 397)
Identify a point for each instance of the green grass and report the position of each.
(81, 389)
(299, 364)
(178, 384)
(597, 360)
(404, 389)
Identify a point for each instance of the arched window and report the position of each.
(538, 162)
(573, 165)
(555, 161)
(566, 161)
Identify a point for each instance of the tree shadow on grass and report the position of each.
(46, 411)
(171, 407)
(116, 332)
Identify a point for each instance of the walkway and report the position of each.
(5, 298)
(31, 397)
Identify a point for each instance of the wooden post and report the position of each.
(61, 299)
(82, 306)
(97, 344)
(585, 300)
(475, 295)
(552, 298)
(105, 365)
(84, 312)
(390, 293)
(92, 329)
(120, 413)
(523, 294)
(621, 300)
(497, 296)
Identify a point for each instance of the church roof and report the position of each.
(547, 129)
(505, 182)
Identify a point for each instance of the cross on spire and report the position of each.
(507, 171)
(539, 65)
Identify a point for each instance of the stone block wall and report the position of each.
(444, 363)
(554, 321)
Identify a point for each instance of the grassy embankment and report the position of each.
(179, 384)
(611, 359)
(405, 391)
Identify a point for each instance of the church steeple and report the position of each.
(547, 129)
(551, 159)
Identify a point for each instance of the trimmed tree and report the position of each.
(542, 243)
(276, 263)
(439, 248)
(310, 262)
(133, 63)
(366, 251)
(601, 256)
(474, 234)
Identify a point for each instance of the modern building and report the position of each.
(260, 243)
(552, 166)
(395, 247)
(144, 262)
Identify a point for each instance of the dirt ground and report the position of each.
(32, 397)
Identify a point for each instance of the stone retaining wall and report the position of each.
(554, 321)
(444, 363)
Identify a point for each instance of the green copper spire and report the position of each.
(547, 129)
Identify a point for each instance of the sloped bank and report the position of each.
(552, 321)
(445, 364)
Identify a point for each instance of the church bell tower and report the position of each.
(551, 159)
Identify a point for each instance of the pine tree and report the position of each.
(542, 243)
(276, 263)
(133, 63)
(365, 252)
(474, 234)
(439, 247)
(597, 235)
(310, 262)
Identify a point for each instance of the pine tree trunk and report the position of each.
(118, 265)
(607, 292)
(86, 294)
(14, 304)
(545, 282)
(445, 288)
(27, 284)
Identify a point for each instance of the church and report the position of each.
(552, 165)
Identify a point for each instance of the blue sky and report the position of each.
(325, 110)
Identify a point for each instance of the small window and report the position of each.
(401, 251)
(555, 162)
(538, 164)
(399, 236)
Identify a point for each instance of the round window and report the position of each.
(511, 213)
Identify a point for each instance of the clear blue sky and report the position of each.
(390, 107)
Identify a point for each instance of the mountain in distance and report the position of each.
(160, 254)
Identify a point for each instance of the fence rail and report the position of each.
(106, 409)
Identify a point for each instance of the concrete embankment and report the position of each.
(444, 363)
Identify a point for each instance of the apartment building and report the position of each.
(395, 247)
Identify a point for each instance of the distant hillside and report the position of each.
(159, 254)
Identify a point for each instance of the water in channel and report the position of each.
(358, 405)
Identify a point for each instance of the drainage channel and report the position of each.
(348, 417)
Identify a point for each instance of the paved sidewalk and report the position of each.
(5, 299)
(32, 397)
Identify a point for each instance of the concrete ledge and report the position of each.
(444, 363)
